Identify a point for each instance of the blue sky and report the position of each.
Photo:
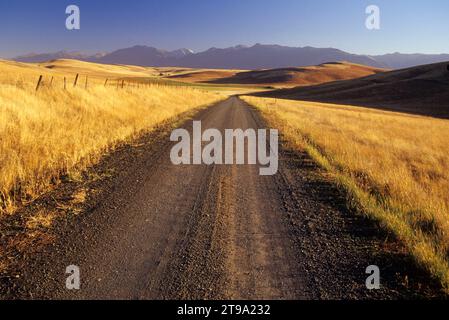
(407, 26)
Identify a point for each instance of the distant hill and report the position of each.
(144, 56)
(401, 61)
(44, 57)
(269, 56)
(241, 57)
(301, 76)
(420, 90)
(203, 75)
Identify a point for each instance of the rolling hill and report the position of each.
(203, 75)
(300, 76)
(420, 90)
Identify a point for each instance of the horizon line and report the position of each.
(86, 52)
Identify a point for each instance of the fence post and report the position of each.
(76, 80)
(51, 81)
(65, 83)
(85, 87)
(39, 82)
(123, 83)
(106, 82)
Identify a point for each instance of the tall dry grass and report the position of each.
(53, 131)
(26, 74)
(394, 166)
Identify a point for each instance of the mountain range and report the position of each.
(255, 57)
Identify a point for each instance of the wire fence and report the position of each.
(85, 82)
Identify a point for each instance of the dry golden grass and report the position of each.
(55, 132)
(394, 166)
(25, 75)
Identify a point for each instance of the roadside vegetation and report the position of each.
(55, 132)
(394, 167)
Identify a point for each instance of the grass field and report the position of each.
(55, 132)
(395, 167)
(26, 75)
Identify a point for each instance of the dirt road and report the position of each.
(161, 231)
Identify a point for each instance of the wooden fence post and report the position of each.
(106, 83)
(65, 83)
(123, 83)
(76, 80)
(39, 82)
(51, 81)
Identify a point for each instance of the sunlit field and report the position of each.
(55, 131)
(26, 74)
(395, 167)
